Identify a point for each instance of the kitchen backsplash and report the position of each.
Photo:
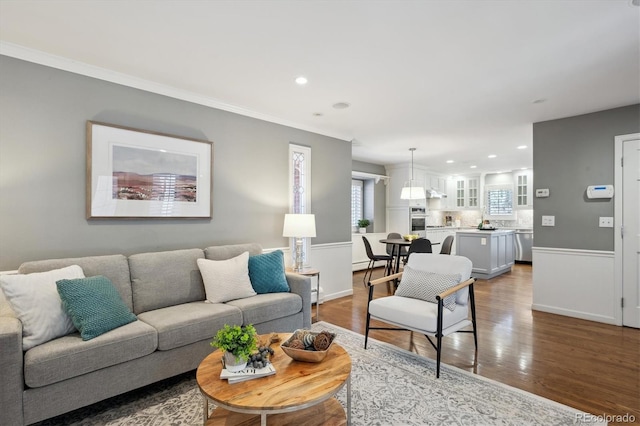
(471, 218)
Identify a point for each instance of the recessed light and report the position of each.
(523, 168)
(302, 80)
(522, 147)
(317, 114)
(449, 161)
(491, 156)
(539, 101)
(473, 167)
(341, 105)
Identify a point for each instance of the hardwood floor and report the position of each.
(587, 365)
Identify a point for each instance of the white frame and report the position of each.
(100, 199)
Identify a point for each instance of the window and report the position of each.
(500, 200)
(300, 188)
(357, 202)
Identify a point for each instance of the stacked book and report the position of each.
(248, 373)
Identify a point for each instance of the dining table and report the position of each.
(397, 244)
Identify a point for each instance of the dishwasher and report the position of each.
(524, 243)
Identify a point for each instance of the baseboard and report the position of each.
(574, 314)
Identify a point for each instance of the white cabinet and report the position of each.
(463, 193)
(523, 184)
(437, 236)
(398, 176)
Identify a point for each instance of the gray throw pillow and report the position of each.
(427, 285)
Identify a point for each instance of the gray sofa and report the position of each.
(172, 334)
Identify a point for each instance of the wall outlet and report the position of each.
(606, 222)
(548, 221)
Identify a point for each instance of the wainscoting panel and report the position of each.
(575, 283)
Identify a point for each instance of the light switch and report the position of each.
(542, 193)
(548, 221)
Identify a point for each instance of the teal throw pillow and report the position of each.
(94, 305)
(266, 272)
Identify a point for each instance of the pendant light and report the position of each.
(411, 189)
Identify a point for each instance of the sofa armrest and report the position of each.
(11, 370)
(301, 285)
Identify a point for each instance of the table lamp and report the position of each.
(299, 226)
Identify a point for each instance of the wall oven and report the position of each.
(418, 221)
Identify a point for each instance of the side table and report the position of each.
(310, 272)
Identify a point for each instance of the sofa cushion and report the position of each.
(94, 305)
(165, 279)
(231, 250)
(35, 300)
(70, 356)
(226, 280)
(183, 324)
(115, 267)
(267, 307)
(266, 272)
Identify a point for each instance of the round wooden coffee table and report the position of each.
(299, 393)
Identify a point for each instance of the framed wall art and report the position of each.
(141, 174)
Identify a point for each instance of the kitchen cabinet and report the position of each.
(491, 252)
(398, 175)
(523, 184)
(463, 193)
(438, 234)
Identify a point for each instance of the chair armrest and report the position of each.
(386, 279)
(452, 290)
(301, 285)
(11, 370)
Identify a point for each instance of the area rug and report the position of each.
(390, 386)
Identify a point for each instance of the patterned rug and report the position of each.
(390, 386)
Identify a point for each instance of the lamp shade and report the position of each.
(299, 225)
(411, 192)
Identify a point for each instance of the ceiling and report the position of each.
(458, 80)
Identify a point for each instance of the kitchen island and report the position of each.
(492, 252)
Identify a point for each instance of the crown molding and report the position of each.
(81, 68)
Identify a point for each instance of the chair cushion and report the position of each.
(94, 305)
(188, 323)
(426, 286)
(266, 272)
(36, 302)
(70, 356)
(226, 280)
(417, 314)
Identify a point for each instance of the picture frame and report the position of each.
(139, 174)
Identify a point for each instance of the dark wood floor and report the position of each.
(587, 365)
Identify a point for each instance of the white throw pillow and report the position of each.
(226, 280)
(36, 302)
(427, 285)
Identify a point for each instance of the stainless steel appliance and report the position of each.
(418, 221)
(524, 243)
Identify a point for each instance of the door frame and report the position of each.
(617, 220)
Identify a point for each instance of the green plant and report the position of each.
(363, 223)
(240, 341)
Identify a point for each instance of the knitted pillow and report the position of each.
(94, 305)
(426, 285)
(226, 280)
(266, 272)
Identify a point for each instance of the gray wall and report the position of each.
(379, 218)
(568, 155)
(42, 170)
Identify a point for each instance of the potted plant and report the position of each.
(362, 225)
(238, 342)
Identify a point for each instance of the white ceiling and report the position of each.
(455, 79)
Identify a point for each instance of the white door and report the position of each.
(631, 233)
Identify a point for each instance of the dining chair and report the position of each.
(446, 245)
(420, 245)
(390, 247)
(373, 258)
(435, 298)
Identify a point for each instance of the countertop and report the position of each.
(486, 231)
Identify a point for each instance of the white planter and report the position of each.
(233, 364)
(362, 230)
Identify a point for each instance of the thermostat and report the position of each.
(600, 191)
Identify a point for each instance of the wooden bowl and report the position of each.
(304, 354)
